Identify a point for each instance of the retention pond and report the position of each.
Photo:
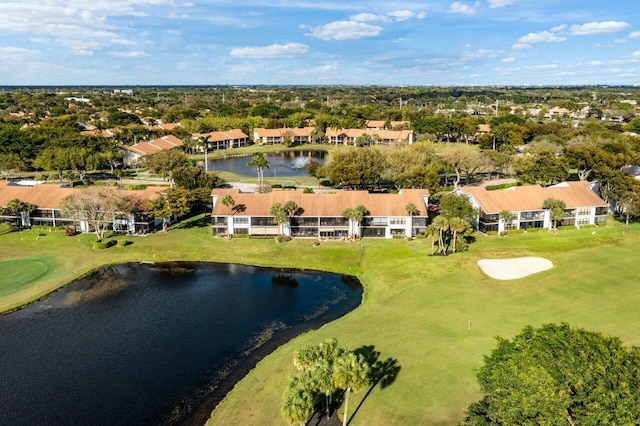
(154, 343)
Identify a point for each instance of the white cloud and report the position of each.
(595, 63)
(500, 3)
(521, 46)
(404, 15)
(636, 54)
(605, 27)
(464, 9)
(174, 32)
(542, 37)
(345, 30)
(559, 28)
(271, 52)
(480, 54)
(136, 54)
(17, 51)
(635, 34)
(123, 42)
(369, 17)
(509, 60)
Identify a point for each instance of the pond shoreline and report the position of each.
(196, 406)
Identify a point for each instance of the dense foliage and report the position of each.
(556, 374)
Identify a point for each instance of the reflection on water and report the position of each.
(285, 164)
(153, 344)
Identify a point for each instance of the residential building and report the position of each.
(133, 154)
(583, 206)
(380, 124)
(233, 138)
(320, 215)
(277, 136)
(48, 201)
(385, 137)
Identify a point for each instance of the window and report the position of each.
(377, 221)
(489, 217)
(373, 232)
(583, 221)
(510, 225)
(334, 221)
(397, 231)
(398, 221)
(601, 211)
(534, 215)
(304, 221)
(304, 232)
(570, 213)
(601, 219)
(241, 220)
(262, 221)
(584, 212)
(419, 221)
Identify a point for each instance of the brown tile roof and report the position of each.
(526, 198)
(305, 131)
(50, 195)
(147, 148)
(380, 123)
(324, 204)
(384, 134)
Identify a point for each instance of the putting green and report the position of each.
(17, 274)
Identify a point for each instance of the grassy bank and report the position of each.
(416, 310)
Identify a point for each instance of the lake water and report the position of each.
(154, 344)
(284, 164)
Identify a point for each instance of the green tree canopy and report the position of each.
(556, 208)
(556, 375)
(355, 168)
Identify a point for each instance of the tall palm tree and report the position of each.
(280, 216)
(456, 224)
(412, 210)
(432, 232)
(259, 162)
(228, 202)
(441, 223)
(291, 208)
(352, 373)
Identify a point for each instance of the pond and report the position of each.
(283, 164)
(154, 344)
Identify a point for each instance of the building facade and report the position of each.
(321, 215)
(583, 206)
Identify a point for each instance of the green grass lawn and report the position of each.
(416, 308)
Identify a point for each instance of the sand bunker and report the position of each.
(511, 269)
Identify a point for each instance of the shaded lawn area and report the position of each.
(416, 308)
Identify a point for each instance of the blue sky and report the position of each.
(484, 42)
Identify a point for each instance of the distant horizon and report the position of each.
(204, 86)
(438, 43)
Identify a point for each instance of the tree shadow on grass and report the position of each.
(188, 223)
(383, 373)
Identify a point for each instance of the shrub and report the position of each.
(516, 231)
(308, 191)
(101, 245)
(282, 239)
(534, 229)
(234, 236)
(124, 243)
(69, 231)
(501, 186)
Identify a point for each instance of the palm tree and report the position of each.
(456, 224)
(280, 216)
(291, 208)
(412, 210)
(432, 232)
(259, 162)
(351, 372)
(322, 379)
(228, 202)
(442, 225)
(18, 207)
(506, 216)
(297, 403)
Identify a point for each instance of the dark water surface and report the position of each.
(289, 164)
(145, 344)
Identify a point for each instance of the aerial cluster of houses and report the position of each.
(320, 215)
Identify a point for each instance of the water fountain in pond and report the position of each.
(299, 163)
